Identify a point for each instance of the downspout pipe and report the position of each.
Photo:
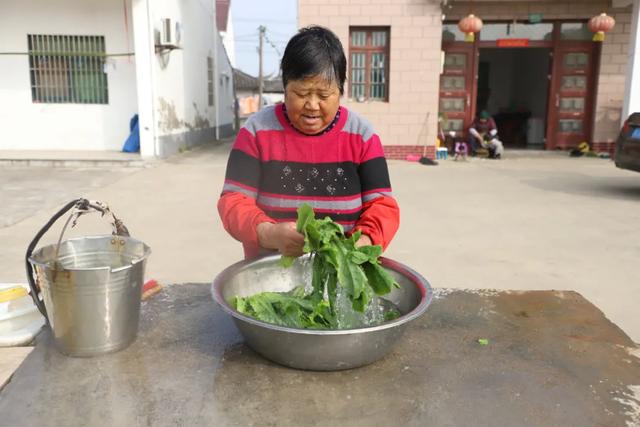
(150, 29)
(216, 82)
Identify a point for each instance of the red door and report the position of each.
(572, 95)
(457, 87)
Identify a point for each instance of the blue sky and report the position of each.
(280, 18)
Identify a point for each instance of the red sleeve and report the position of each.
(237, 205)
(380, 220)
(240, 216)
(380, 217)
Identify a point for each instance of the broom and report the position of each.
(424, 159)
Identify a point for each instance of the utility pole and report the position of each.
(262, 29)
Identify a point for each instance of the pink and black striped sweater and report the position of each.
(273, 169)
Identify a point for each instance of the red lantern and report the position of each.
(601, 24)
(469, 26)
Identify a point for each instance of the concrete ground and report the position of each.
(550, 359)
(72, 158)
(539, 221)
(26, 191)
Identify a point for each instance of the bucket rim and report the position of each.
(145, 255)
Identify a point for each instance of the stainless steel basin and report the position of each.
(319, 350)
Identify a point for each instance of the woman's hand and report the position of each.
(281, 236)
(364, 240)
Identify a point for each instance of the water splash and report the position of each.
(374, 314)
(306, 264)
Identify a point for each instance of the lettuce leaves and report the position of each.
(337, 262)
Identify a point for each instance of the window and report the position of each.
(451, 33)
(574, 82)
(369, 63)
(539, 31)
(570, 126)
(575, 31)
(210, 80)
(67, 69)
(576, 60)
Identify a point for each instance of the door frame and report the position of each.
(556, 45)
(553, 109)
(471, 77)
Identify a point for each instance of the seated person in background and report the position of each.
(484, 133)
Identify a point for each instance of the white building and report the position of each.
(76, 71)
(225, 27)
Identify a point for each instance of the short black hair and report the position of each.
(314, 51)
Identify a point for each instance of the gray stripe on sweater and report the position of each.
(264, 119)
(336, 205)
(236, 188)
(358, 125)
(372, 196)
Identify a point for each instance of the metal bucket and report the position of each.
(91, 289)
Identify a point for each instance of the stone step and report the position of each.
(70, 159)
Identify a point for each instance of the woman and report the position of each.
(307, 150)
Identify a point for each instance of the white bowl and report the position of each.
(20, 320)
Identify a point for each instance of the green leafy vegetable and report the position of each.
(391, 315)
(338, 266)
(289, 309)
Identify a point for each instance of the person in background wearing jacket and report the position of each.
(309, 149)
(484, 133)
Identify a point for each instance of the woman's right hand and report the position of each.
(281, 236)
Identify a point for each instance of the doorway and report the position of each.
(537, 80)
(513, 86)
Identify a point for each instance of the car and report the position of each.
(628, 145)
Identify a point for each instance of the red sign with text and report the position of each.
(513, 42)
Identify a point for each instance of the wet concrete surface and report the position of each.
(552, 359)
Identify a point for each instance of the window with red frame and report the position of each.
(369, 63)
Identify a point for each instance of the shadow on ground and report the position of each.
(618, 188)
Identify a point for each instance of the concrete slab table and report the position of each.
(552, 359)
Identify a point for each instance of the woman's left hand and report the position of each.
(364, 240)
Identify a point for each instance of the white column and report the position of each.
(145, 53)
(632, 92)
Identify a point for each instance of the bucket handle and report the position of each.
(82, 206)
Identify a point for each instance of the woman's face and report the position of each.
(312, 103)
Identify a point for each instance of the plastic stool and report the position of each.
(442, 153)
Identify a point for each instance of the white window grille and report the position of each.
(67, 69)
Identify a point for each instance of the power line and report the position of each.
(254, 37)
(237, 36)
(278, 42)
(275, 33)
(255, 49)
(278, 37)
(276, 21)
(272, 45)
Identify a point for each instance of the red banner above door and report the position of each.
(512, 42)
